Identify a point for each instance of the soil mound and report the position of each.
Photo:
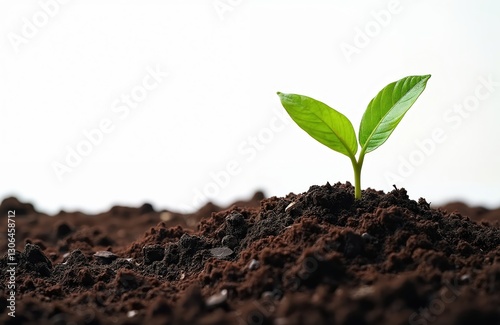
(318, 257)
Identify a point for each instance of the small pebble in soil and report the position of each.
(362, 292)
(289, 206)
(230, 241)
(105, 257)
(254, 264)
(366, 236)
(217, 299)
(221, 252)
(267, 294)
(132, 313)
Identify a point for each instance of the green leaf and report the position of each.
(386, 110)
(321, 122)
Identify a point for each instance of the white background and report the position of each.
(64, 65)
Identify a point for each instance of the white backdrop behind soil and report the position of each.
(175, 103)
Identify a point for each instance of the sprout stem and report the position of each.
(357, 182)
(356, 166)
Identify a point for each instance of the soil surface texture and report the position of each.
(319, 257)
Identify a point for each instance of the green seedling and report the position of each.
(334, 130)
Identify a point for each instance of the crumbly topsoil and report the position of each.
(319, 257)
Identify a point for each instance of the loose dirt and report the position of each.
(318, 257)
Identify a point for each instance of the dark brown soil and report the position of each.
(477, 213)
(319, 257)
